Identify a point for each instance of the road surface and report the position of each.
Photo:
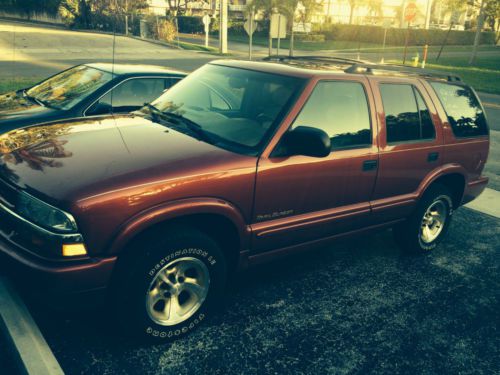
(33, 51)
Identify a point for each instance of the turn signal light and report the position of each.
(74, 249)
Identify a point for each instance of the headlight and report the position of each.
(44, 215)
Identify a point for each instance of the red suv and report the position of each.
(239, 163)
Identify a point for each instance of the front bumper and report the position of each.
(31, 255)
(55, 278)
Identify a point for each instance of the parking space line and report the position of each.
(488, 203)
(30, 351)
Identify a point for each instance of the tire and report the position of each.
(154, 295)
(427, 226)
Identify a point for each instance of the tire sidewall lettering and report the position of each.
(210, 260)
(178, 330)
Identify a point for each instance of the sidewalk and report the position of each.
(487, 203)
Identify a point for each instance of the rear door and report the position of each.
(301, 198)
(411, 145)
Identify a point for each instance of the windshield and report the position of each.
(65, 90)
(236, 108)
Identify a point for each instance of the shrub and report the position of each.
(310, 37)
(396, 36)
(167, 31)
(190, 25)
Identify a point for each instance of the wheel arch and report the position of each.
(217, 218)
(453, 177)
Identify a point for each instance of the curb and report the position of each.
(29, 350)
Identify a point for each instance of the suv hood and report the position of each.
(17, 111)
(68, 161)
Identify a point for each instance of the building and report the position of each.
(197, 8)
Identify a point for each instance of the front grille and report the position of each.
(8, 195)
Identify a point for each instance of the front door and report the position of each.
(300, 198)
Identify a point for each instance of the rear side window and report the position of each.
(407, 118)
(341, 110)
(462, 108)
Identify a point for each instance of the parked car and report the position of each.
(86, 90)
(238, 164)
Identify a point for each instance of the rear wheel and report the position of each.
(423, 231)
(169, 283)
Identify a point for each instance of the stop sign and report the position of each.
(410, 12)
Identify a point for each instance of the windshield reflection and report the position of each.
(237, 107)
(66, 89)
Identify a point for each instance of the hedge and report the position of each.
(375, 34)
(190, 25)
(310, 37)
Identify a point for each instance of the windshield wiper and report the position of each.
(155, 113)
(37, 101)
(191, 125)
(175, 120)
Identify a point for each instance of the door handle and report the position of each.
(370, 165)
(433, 156)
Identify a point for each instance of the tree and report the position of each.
(31, 6)
(375, 8)
(492, 16)
(310, 7)
(353, 4)
(480, 21)
(288, 8)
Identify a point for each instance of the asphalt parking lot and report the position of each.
(355, 308)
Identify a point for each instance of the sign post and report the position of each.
(387, 24)
(206, 23)
(455, 16)
(278, 28)
(409, 15)
(249, 27)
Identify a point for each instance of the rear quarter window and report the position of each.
(462, 107)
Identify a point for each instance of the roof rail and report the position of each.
(364, 67)
(330, 59)
(367, 68)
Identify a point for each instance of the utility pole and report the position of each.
(428, 14)
(223, 27)
(126, 17)
(480, 21)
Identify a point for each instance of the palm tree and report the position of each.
(353, 4)
(288, 8)
(375, 8)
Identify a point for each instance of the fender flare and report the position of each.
(176, 210)
(443, 170)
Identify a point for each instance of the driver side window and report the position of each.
(341, 110)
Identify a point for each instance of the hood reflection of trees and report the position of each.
(38, 146)
(40, 155)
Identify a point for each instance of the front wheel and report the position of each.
(169, 283)
(423, 231)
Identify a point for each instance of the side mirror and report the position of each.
(307, 141)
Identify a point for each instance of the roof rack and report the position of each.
(327, 59)
(367, 68)
(364, 67)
